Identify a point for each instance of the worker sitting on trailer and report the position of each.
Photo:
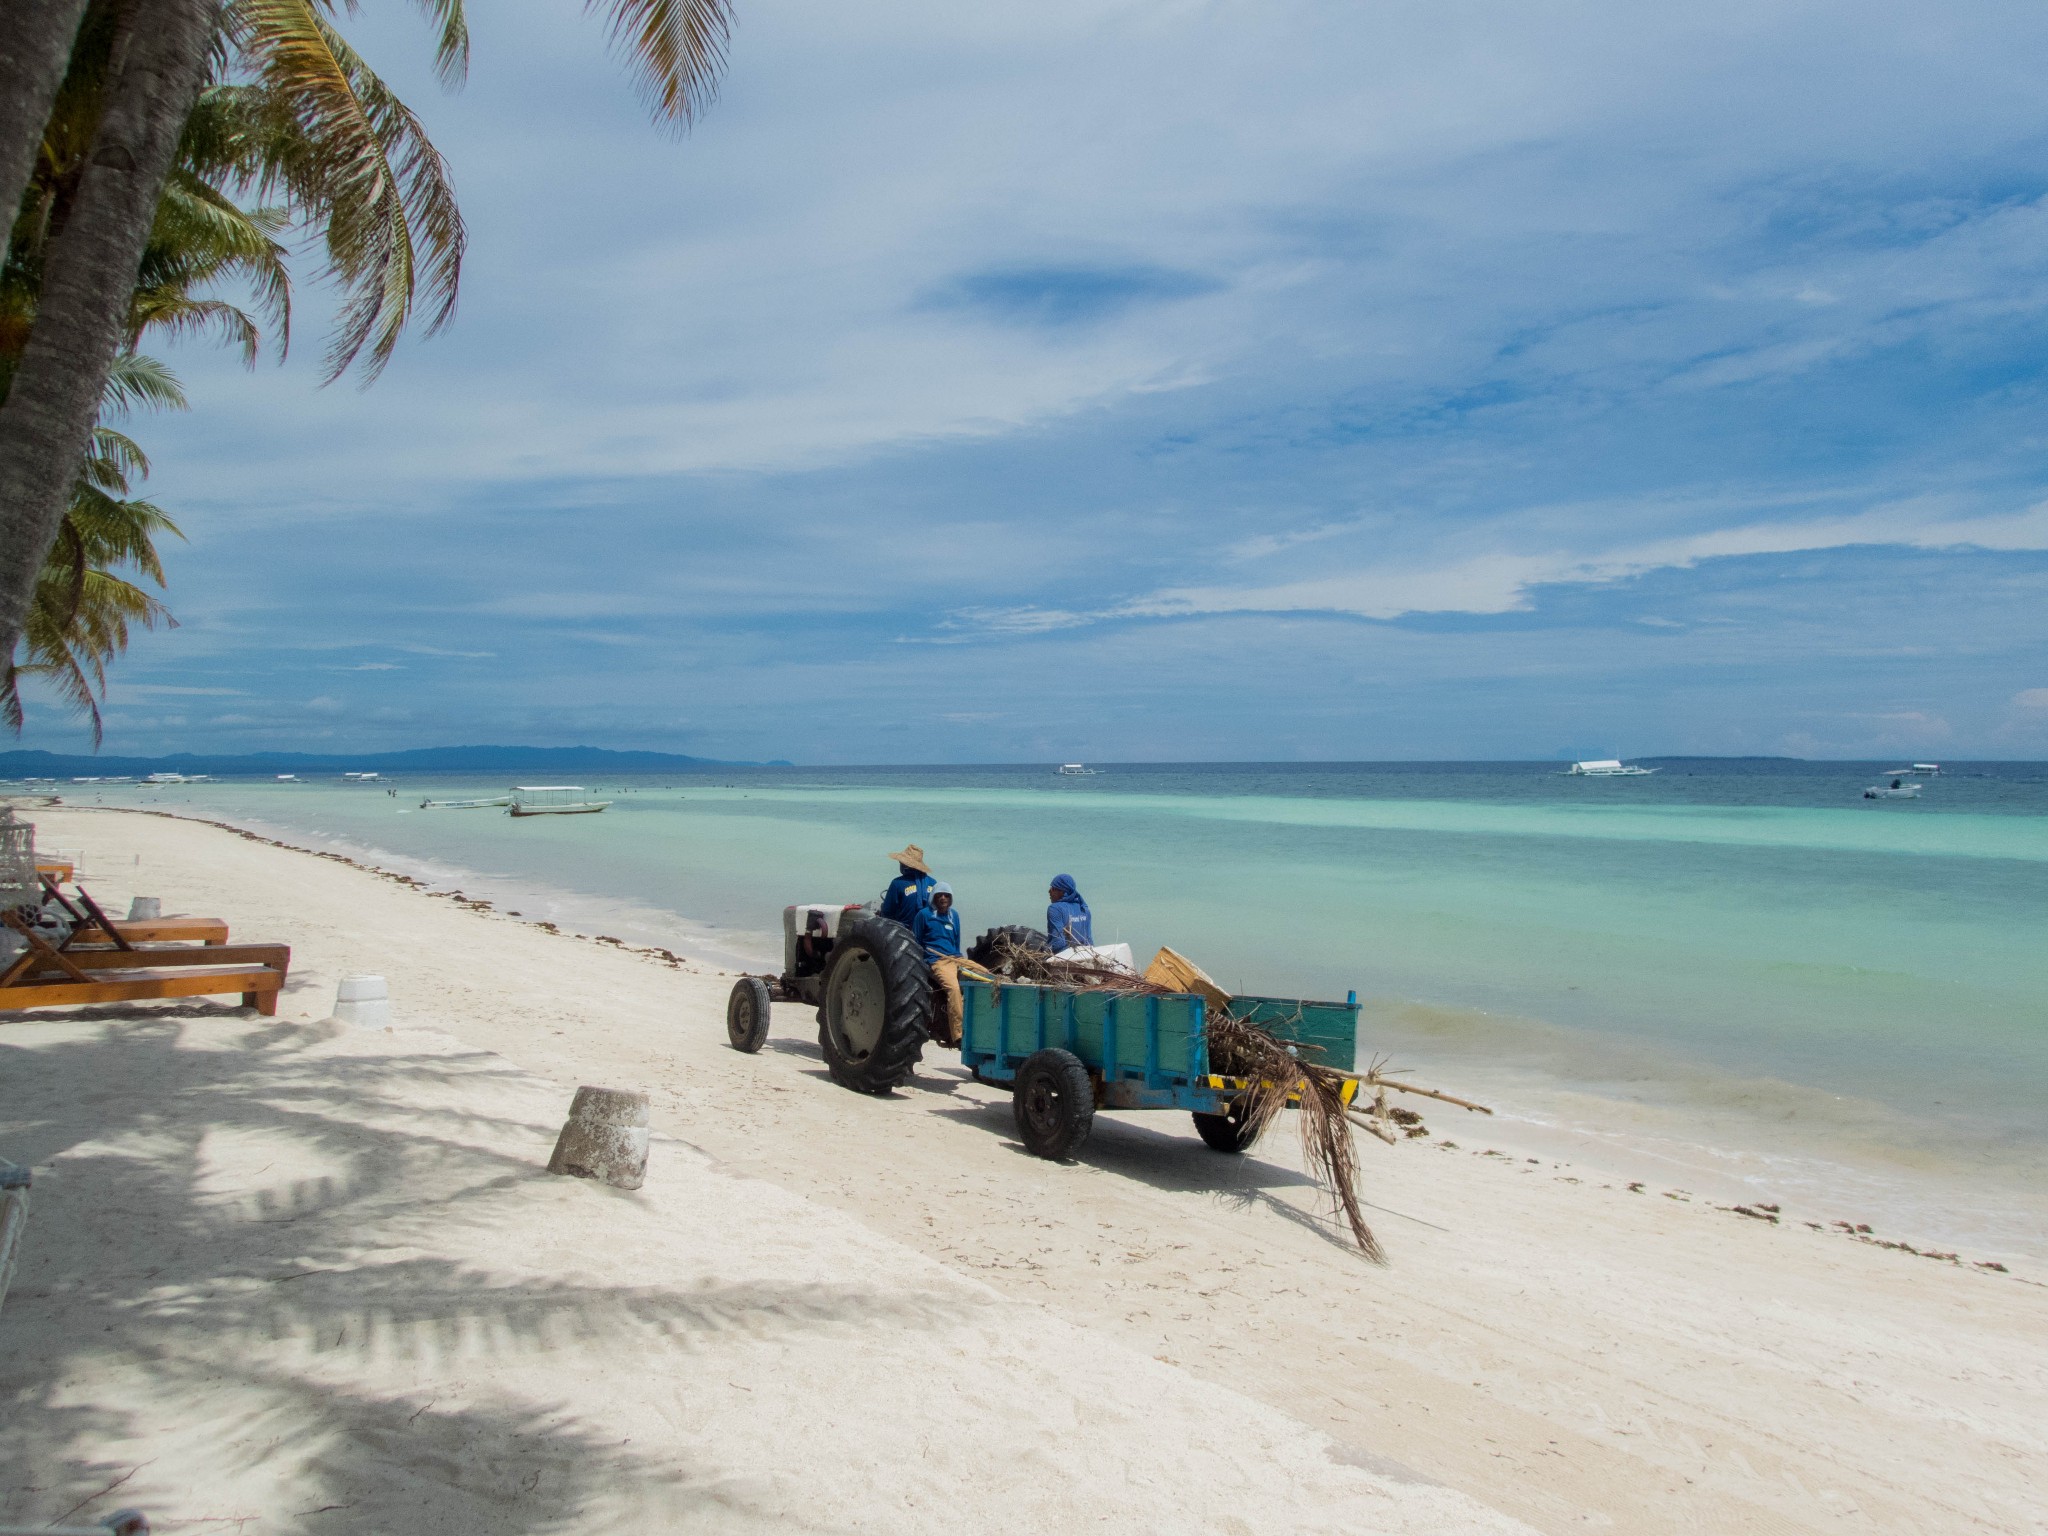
(937, 928)
(911, 890)
(1067, 921)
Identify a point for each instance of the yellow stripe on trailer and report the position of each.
(1238, 1085)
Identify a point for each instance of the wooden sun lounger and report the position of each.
(44, 976)
(94, 926)
(170, 930)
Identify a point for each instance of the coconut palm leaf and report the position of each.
(350, 159)
(136, 380)
(675, 48)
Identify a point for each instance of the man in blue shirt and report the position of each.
(937, 928)
(1067, 920)
(910, 890)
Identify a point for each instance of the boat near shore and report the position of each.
(486, 802)
(1895, 789)
(1607, 768)
(554, 800)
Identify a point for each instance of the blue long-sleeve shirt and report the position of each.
(908, 895)
(1067, 920)
(940, 935)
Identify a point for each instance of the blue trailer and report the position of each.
(1067, 1052)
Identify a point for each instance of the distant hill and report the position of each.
(51, 765)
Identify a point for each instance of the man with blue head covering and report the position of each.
(937, 928)
(1067, 920)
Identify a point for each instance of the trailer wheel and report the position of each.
(1054, 1103)
(746, 1014)
(874, 1011)
(1225, 1132)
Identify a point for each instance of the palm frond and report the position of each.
(139, 380)
(351, 159)
(115, 459)
(675, 48)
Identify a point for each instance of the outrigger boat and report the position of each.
(466, 805)
(554, 800)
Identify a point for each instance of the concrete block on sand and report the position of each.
(363, 1000)
(605, 1138)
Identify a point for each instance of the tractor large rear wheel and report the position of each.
(875, 1014)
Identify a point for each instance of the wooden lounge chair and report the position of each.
(45, 976)
(93, 926)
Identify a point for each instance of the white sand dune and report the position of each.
(307, 1277)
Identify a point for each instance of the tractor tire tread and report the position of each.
(907, 984)
(747, 1014)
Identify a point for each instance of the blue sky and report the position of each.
(1169, 379)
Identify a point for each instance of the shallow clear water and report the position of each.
(1724, 933)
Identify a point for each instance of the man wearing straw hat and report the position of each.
(911, 891)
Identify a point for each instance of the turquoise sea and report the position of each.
(1825, 980)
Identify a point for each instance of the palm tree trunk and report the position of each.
(159, 65)
(35, 46)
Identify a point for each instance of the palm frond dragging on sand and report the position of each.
(1275, 1073)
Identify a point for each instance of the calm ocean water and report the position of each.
(1741, 937)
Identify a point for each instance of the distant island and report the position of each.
(599, 760)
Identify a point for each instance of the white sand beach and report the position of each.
(290, 1275)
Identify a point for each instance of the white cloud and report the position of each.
(1501, 581)
(2031, 698)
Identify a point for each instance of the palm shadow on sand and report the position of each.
(207, 1298)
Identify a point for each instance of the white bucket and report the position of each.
(363, 1000)
(145, 909)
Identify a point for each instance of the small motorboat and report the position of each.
(554, 800)
(1893, 789)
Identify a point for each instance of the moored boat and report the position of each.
(465, 805)
(1607, 768)
(554, 800)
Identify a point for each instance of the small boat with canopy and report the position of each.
(554, 800)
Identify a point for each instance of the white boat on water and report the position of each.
(1077, 770)
(167, 778)
(465, 805)
(1893, 789)
(287, 778)
(554, 800)
(359, 778)
(1607, 768)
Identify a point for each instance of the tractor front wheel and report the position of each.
(1054, 1104)
(746, 1014)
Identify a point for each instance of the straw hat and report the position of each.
(914, 857)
